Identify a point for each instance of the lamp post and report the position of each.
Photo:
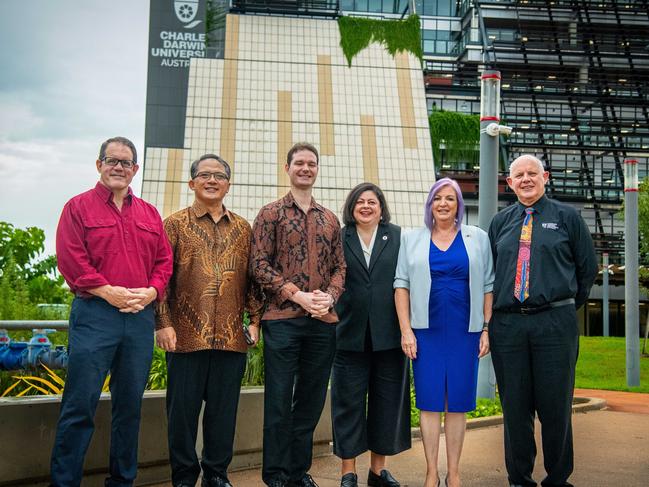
(488, 188)
(605, 311)
(631, 291)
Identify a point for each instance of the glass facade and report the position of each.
(374, 6)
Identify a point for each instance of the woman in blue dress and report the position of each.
(443, 294)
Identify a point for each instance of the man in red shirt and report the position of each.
(115, 256)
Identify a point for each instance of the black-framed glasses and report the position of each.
(113, 161)
(206, 176)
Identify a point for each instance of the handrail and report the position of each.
(34, 324)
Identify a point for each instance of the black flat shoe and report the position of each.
(215, 482)
(349, 480)
(385, 479)
(305, 481)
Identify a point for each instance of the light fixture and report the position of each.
(630, 175)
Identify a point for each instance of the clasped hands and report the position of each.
(316, 303)
(127, 300)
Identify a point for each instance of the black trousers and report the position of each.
(370, 402)
(298, 354)
(213, 377)
(534, 357)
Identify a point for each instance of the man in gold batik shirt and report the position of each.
(200, 325)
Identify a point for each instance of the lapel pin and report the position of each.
(385, 237)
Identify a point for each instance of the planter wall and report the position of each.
(27, 428)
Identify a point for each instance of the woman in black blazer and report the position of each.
(370, 387)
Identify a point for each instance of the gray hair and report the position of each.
(526, 157)
(118, 140)
(193, 170)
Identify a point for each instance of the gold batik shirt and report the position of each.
(210, 287)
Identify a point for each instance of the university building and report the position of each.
(248, 78)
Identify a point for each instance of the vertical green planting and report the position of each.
(356, 33)
(458, 135)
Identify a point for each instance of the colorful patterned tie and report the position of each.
(522, 284)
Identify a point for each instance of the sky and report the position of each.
(72, 74)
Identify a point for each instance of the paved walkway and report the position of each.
(626, 402)
(610, 450)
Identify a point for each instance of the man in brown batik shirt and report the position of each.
(297, 258)
(200, 325)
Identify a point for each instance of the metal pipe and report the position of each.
(31, 324)
(631, 284)
(605, 312)
(488, 193)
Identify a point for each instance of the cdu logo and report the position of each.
(186, 11)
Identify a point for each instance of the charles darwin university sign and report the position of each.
(177, 33)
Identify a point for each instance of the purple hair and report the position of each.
(428, 214)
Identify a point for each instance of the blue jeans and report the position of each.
(101, 339)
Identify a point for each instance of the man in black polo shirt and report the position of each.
(545, 265)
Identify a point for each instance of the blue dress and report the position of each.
(446, 367)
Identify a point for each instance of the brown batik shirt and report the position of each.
(210, 286)
(295, 251)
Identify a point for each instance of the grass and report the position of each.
(602, 365)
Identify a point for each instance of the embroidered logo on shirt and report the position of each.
(551, 226)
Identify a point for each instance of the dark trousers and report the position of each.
(101, 339)
(213, 377)
(370, 402)
(534, 358)
(297, 357)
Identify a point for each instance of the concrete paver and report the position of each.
(610, 450)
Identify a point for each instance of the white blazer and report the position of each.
(413, 273)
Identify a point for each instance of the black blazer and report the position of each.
(369, 295)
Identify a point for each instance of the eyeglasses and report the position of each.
(206, 176)
(113, 161)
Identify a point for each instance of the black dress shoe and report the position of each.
(349, 480)
(277, 483)
(215, 481)
(385, 479)
(305, 481)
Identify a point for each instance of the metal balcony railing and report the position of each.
(316, 8)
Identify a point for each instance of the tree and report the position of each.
(643, 237)
(26, 277)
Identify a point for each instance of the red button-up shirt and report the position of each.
(97, 244)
